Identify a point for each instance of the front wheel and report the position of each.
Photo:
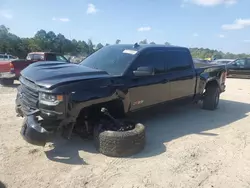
(211, 98)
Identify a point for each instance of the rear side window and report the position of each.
(155, 59)
(240, 62)
(51, 57)
(178, 60)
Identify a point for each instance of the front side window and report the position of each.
(178, 60)
(154, 59)
(240, 62)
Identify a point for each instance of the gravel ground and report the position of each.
(186, 147)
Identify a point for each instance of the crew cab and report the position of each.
(10, 68)
(121, 78)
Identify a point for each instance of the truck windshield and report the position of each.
(112, 59)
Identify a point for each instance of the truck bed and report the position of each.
(207, 65)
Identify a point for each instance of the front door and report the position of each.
(145, 91)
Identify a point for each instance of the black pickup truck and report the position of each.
(121, 78)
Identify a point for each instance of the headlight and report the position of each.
(50, 99)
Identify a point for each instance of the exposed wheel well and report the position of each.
(89, 116)
(93, 112)
(211, 83)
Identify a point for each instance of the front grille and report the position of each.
(28, 94)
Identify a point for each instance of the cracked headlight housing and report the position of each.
(50, 99)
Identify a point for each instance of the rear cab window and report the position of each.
(36, 57)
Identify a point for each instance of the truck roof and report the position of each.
(140, 47)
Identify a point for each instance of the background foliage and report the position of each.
(49, 41)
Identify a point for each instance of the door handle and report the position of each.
(164, 81)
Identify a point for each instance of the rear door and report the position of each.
(149, 90)
(181, 73)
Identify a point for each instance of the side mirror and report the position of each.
(144, 71)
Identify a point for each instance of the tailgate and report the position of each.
(21, 64)
(5, 66)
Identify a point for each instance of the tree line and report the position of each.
(49, 41)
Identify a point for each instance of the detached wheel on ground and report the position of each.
(6, 82)
(120, 143)
(211, 97)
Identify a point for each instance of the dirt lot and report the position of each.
(186, 147)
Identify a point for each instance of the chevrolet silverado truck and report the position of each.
(114, 81)
(10, 68)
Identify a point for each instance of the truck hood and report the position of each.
(49, 74)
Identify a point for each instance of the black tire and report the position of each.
(6, 82)
(211, 97)
(120, 143)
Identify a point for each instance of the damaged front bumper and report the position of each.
(33, 132)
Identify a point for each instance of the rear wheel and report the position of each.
(7, 82)
(211, 97)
